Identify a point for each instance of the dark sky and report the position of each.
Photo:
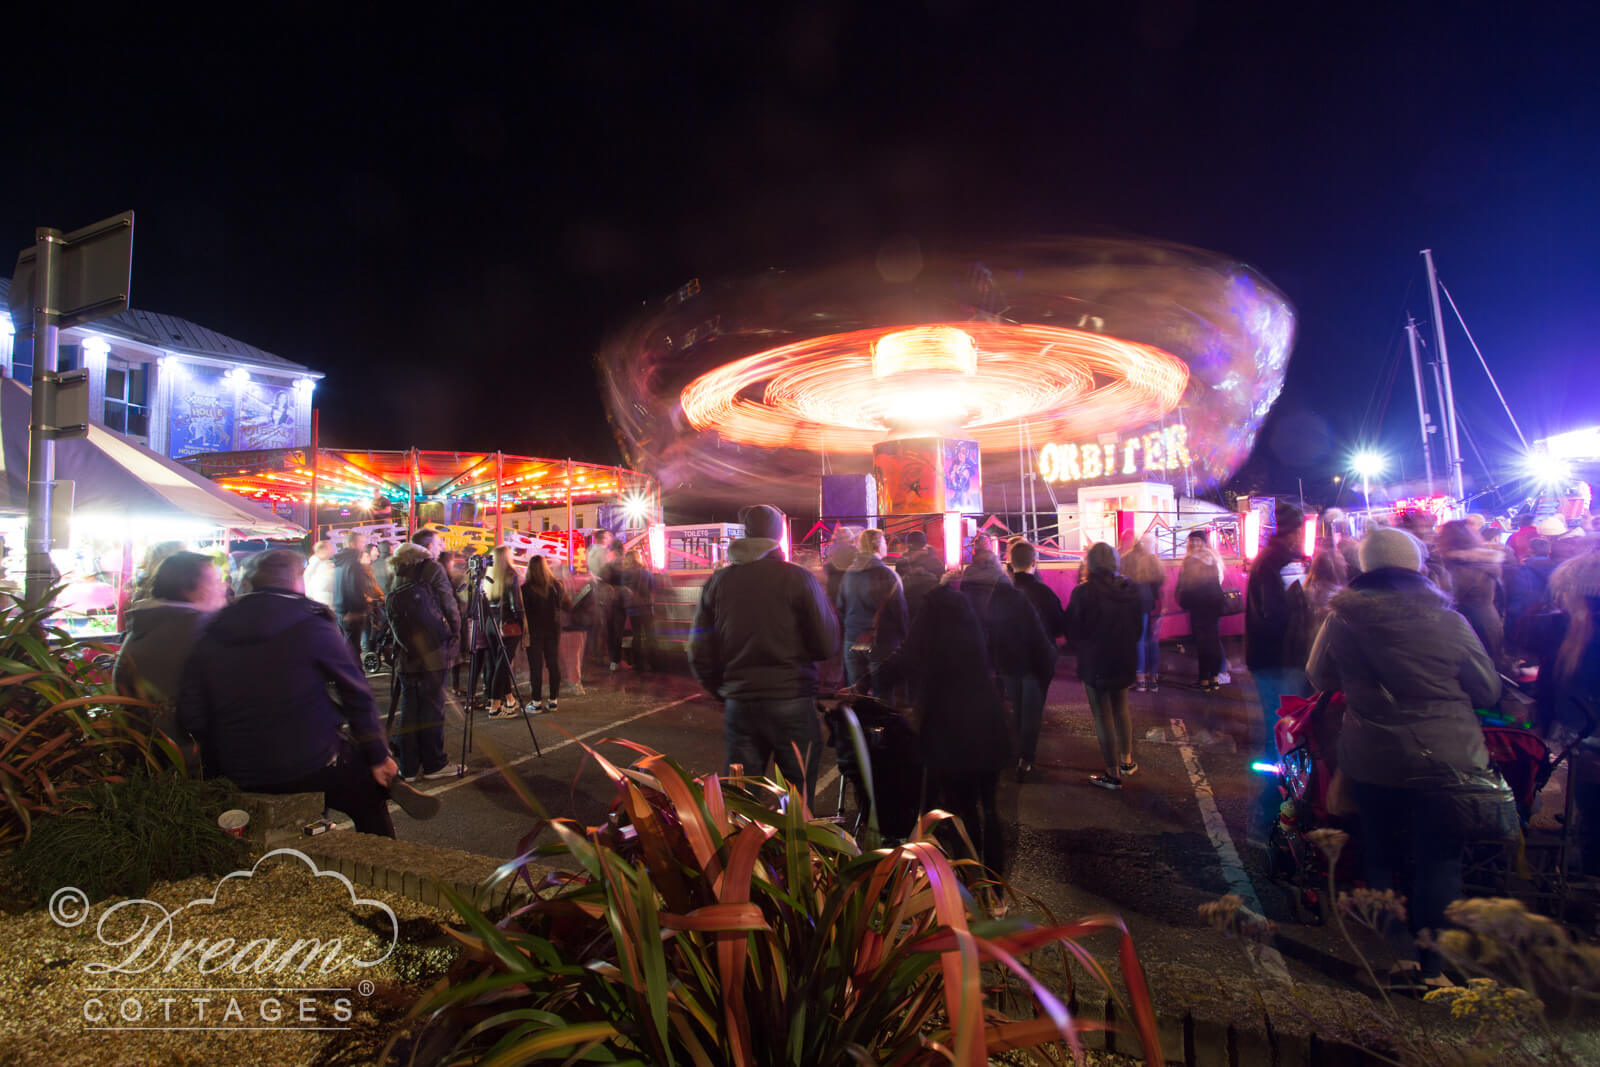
(447, 214)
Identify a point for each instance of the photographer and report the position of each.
(502, 595)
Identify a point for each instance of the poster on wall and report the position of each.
(265, 416)
(963, 478)
(202, 413)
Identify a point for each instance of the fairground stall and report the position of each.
(114, 498)
(537, 506)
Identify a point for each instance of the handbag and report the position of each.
(1232, 602)
(1477, 804)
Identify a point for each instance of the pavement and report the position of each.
(1174, 838)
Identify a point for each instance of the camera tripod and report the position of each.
(495, 646)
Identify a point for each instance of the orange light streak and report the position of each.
(823, 392)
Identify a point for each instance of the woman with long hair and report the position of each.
(503, 594)
(639, 589)
(1572, 694)
(1143, 568)
(544, 598)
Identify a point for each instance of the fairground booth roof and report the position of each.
(354, 477)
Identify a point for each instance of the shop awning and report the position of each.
(117, 478)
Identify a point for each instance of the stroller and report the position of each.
(1307, 733)
(893, 763)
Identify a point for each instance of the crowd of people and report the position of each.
(263, 678)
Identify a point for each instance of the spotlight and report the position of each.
(1549, 471)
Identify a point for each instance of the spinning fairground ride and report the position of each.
(912, 388)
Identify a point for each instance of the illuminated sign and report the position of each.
(1159, 451)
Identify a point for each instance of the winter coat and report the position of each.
(150, 665)
(1411, 671)
(1104, 622)
(872, 606)
(1479, 596)
(410, 565)
(761, 626)
(544, 609)
(963, 727)
(355, 588)
(1277, 616)
(255, 692)
(1200, 583)
(1045, 602)
(639, 587)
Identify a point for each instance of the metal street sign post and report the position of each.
(64, 280)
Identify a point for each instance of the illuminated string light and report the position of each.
(839, 390)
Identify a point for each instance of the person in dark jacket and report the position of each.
(639, 594)
(1475, 570)
(1411, 671)
(425, 634)
(872, 610)
(255, 696)
(920, 570)
(502, 594)
(1277, 618)
(355, 591)
(1200, 594)
(186, 590)
(963, 731)
(1103, 625)
(1033, 659)
(760, 628)
(544, 598)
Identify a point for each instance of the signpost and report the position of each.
(64, 280)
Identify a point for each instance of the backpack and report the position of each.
(419, 628)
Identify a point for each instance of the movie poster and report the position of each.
(202, 413)
(265, 416)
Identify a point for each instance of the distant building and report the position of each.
(174, 386)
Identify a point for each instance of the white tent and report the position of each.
(116, 478)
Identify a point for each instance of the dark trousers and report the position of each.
(475, 673)
(346, 785)
(1027, 702)
(1394, 821)
(643, 624)
(616, 623)
(1207, 630)
(422, 723)
(970, 798)
(502, 665)
(1112, 725)
(759, 731)
(355, 626)
(544, 652)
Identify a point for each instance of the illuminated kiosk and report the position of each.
(1068, 364)
(481, 499)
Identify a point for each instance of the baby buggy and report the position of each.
(890, 743)
(1307, 733)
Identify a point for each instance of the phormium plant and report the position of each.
(709, 922)
(61, 726)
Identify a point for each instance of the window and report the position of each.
(69, 357)
(22, 361)
(128, 398)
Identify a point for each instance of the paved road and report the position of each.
(1173, 839)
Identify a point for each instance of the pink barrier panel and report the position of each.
(1174, 622)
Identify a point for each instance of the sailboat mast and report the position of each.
(1422, 400)
(1452, 443)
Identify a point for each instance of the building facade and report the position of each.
(174, 386)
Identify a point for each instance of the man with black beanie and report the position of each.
(1277, 624)
(762, 625)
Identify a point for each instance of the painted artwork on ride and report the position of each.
(927, 476)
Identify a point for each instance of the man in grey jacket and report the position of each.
(762, 625)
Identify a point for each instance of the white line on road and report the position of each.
(1269, 959)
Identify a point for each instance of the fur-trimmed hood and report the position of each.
(1388, 596)
(406, 560)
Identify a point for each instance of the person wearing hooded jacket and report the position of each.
(963, 732)
(761, 626)
(185, 591)
(255, 696)
(423, 652)
(872, 610)
(1411, 670)
(1026, 654)
(1475, 570)
(1104, 621)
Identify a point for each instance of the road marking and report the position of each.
(826, 780)
(1266, 957)
(451, 706)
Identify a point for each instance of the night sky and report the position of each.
(447, 214)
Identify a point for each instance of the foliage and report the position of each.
(712, 922)
(151, 827)
(61, 727)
